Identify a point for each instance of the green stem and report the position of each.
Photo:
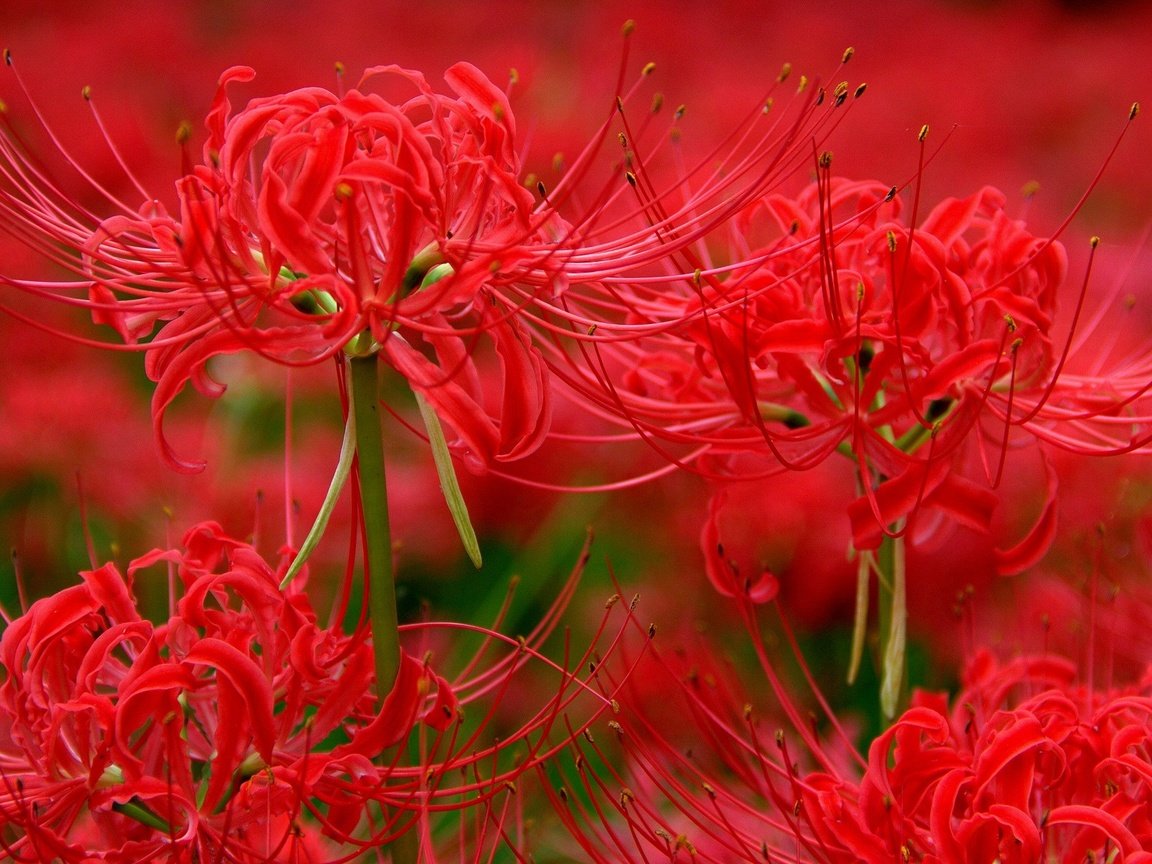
(893, 624)
(382, 616)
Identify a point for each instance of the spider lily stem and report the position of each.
(382, 617)
(364, 380)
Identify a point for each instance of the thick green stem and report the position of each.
(377, 536)
(382, 616)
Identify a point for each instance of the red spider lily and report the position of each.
(114, 726)
(1026, 767)
(240, 729)
(317, 218)
(914, 347)
(323, 222)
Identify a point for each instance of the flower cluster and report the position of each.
(732, 324)
(240, 723)
(1026, 766)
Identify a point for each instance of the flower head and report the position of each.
(1025, 767)
(205, 732)
(321, 222)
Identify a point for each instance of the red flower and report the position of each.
(124, 739)
(916, 348)
(1025, 767)
(320, 222)
(243, 730)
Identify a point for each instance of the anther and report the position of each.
(7, 57)
(891, 241)
(541, 188)
(803, 85)
(848, 52)
(860, 90)
(657, 102)
(183, 132)
(648, 69)
(1094, 242)
(651, 631)
(923, 133)
(86, 93)
(1134, 110)
(339, 67)
(628, 27)
(825, 159)
(679, 115)
(891, 194)
(785, 71)
(513, 76)
(820, 96)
